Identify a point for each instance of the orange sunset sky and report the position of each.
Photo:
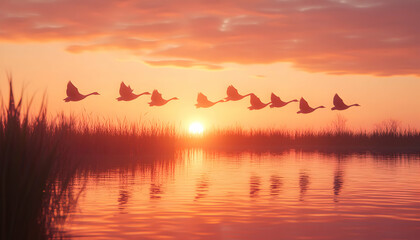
(367, 51)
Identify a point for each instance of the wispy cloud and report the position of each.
(183, 63)
(259, 76)
(379, 37)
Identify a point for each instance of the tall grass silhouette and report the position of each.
(35, 194)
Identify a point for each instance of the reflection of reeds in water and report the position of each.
(275, 185)
(202, 188)
(123, 199)
(155, 191)
(35, 197)
(338, 183)
(254, 186)
(303, 184)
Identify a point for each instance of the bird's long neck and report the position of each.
(354, 105)
(220, 101)
(138, 95)
(294, 100)
(243, 96)
(174, 98)
(90, 94)
(318, 107)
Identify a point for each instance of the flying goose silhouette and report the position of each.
(305, 108)
(256, 103)
(203, 102)
(339, 104)
(276, 102)
(73, 95)
(126, 93)
(157, 100)
(233, 95)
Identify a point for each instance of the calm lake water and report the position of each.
(212, 195)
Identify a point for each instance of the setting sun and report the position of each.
(196, 128)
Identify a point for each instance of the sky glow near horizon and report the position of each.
(366, 51)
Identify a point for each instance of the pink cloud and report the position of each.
(379, 37)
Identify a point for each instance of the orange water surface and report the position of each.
(199, 194)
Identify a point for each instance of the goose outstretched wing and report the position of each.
(232, 91)
(275, 98)
(156, 96)
(255, 100)
(303, 104)
(125, 90)
(72, 90)
(201, 98)
(338, 102)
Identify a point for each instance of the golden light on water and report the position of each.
(196, 128)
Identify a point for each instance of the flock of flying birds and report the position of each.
(126, 94)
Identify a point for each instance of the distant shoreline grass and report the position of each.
(135, 138)
(381, 139)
